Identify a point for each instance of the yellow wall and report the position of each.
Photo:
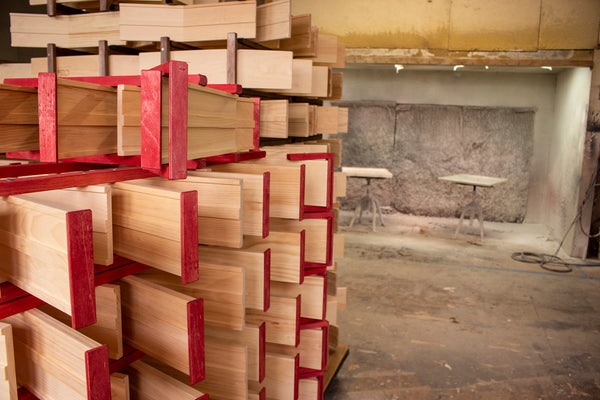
(493, 25)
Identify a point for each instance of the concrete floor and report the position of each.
(433, 317)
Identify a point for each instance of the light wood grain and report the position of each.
(310, 348)
(340, 180)
(300, 33)
(316, 236)
(119, 386)
(327, 50)
(18, 118)
(226, 371)
(327, 120)
(308, 389)
(87, 65)
(15, 70)
(147, 382)
(274, 118)
(302, 78)
(273, 21)
(8, 383)
(281, 320)
(312, 292)
(281, 376)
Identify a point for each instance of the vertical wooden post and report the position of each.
(231, 58)
(104, 5)
(51, 8)
(165, 49)
(103, 69)
(51, 54)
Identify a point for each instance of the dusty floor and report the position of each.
(433, 317)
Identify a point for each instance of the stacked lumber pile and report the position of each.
(157, 251)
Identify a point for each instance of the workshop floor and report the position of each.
(433, 317)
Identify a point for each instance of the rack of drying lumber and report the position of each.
(180, 198)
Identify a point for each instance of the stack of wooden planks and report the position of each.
(203, 265)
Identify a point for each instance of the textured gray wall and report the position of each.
(419, 143)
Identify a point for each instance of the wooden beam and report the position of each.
(311, 350)
(38, 236)
(273, 21)
(221, 288)
(96, 198)
(281, 381)
(302, 78)
(171, 333)
(274, 118)
(68, 31)
(300, 33)
(318, 236)
(341, 56)
(119, 386)
(108, 327)
(300, 120)
(310, 388)
(257, 271)
(338, 245)
(147, 382)
(18, 118)
(50, 372)
(187, 23)
(327, 50)
(282, 320)
(312, 294)
(339, 184)
(8, 383)
(320, 81)
(311, 50)
(342, 120)
(255, 199)
(226, 371)
(157, 227)
(88, 65)
(287, 254)
(327, 119)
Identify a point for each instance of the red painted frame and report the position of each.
(189, 236)
(312, 268)
(195, 311)
(318, 156)
(267, 280)
(97, 373)
(307, 323)
(262, 351)
(133, 80)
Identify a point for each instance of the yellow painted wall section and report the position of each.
(488, 25)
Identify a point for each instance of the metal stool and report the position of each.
(472, 208)
(364, 204)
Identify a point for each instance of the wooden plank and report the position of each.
(340, 180)
(281, 380)
(221, 288)
(299, 120)
(108, 326)
(171, 333)
(50, 372)
(341, 298)
(302, 78)
(309, 389)
(252, 336)
(338, 245)
(255, 199)
(87, 65)
(273, 21)
(69, 31)
(312, 295)
(147, 382)
(332, 310)
(119, 386)
(188, 23)
(157, 227)
(488, 26)
(96, 198)
(8, 383)
(334, 334)
(342, 119)
(341, 56)
(18, 118)
(317, 242)
(286, 185)
(310, 349)
(226, 372)
(327, 119)
(257, 268)
(36, 236)
(274, 118)
(219, 207)
(327, 50)
(320, 81)
(287, 254)
(256, 69)
(15, 70)
(300, 33)
(337, 86)
(311, 50)
(282, 320)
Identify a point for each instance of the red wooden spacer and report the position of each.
(19, 170)
(266, 203)
(134, 80)
(48, 116)
(234, 89)
(267, 280)
(81, 268)
(151, 120)
(129, 355)
(189, 236)
(195, 309)
(178, 119)
(302, 191)
(298, 319)
(318, 156)
(97, 373)
(296, 375)
(262, 351)
(256, 132)
(19, 305)
(302, 255)
(10, 292)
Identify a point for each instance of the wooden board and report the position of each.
(309, 389)
(50, 372)
(252, 336)
(274, 118)
(312, 295)
(300, 120)
(255, 69)
(171, 333)
(300, 33)
(282, 320)
(317, 236)
(226, 371)
(337, 87)
(108, 326)
(70, 31)
(221, 288)
(255, 199)
(327, 50)
(8, 381)
(287, 254)
(320, 81)
(219, 207)
(302, 78)
(15, 70)
(88, 65)
(188, 23)
(311, 50)
(273, 21)
(157, 227)
(119, 386)
(149, 383)
(340, 180)
(97, 198)
(342, 119)
(18, 118)
(327, 119)
(310, 349)
(338, 245)
(286, 185)
(474, 180)
(47, 251)
(379, 173)
(257, 271)
(281, 380)
(341, 56)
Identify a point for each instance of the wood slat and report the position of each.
(281, 381)
(311, 50)
(327, 50)
(171, 333)
(312, 295)
(15, 70)
(8, 383)
(282, 320)
(88, 65)
(287, 254)
(318, 238)
(18, 118)
(301, 33)
(50, 372)
(342, 119)
(274, 118)
(273, 21)
(226, 371)
(320, 81)
(310, 349)
(302, 78)
(327, 119)
(309, 389)
(119, 386)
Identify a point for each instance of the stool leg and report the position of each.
(356, 211)
(374, 215)
(379, 211)
(479, 211)
(462, 215)
(361, 212)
